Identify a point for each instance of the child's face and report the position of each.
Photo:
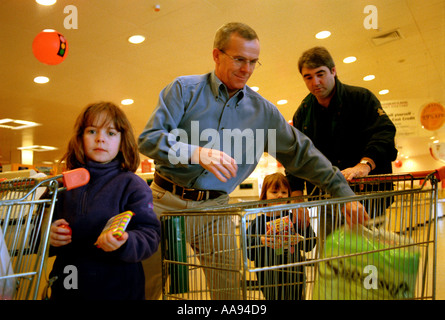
(101, 141)
(277, 193)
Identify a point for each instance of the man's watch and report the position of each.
(368, 163)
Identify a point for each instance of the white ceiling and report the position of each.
(102, 65)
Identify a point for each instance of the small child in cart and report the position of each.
(91, 264)
(277, 238)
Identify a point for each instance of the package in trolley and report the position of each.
(7, 285)
(281, 232)
(26, 209)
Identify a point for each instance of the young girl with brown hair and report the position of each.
(90, 265)
(267, 249)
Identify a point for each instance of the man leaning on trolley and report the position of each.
(218, 101)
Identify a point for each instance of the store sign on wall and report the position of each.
(432, 116)
(403, 116)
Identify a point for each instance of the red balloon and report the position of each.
(50, 47)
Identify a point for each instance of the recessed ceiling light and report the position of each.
(136, 39)
(281, 102)
(369, 77)
(41, 79)
(127, 102)
(323, 35)
(349, 59)
(385, 91)
(46, 2)
(17, 124)
(255, 88)
(38, 148)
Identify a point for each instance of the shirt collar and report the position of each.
(218, 87)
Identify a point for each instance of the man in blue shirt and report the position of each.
(209, 131)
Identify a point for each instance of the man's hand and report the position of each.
(216, 162)
(359, 171)
(355, 213)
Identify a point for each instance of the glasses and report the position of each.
(239, 62)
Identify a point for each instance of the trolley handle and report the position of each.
(75, 178)
(438, 173)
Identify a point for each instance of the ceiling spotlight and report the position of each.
(136, 39)
(349, 59)
(323, 35)
(127, 102)
(385, 91)
(41, 79)
(46, 2)
(255, 88)
(369, 77)
(281, 102)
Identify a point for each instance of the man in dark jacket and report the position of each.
(346, 123)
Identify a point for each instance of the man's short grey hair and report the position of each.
(223, 34)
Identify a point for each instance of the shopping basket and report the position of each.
(207, 252)
(26, 210)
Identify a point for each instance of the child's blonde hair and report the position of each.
(275, 181)
(128, 150)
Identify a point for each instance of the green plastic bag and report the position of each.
(176, 251)
(386, 271)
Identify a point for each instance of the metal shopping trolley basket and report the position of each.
(26, 209)
(303, 249)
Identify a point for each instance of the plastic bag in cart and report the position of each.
(7, 285)
(388, 271)
(176, 251)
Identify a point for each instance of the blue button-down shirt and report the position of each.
(197, 111)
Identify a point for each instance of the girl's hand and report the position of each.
(58, 235)
(272, 241)
(107, 242)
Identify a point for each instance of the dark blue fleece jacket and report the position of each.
(105, 275)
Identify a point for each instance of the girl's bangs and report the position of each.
(101, 118)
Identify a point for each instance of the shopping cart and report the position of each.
(213, 253)
(26, 209)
